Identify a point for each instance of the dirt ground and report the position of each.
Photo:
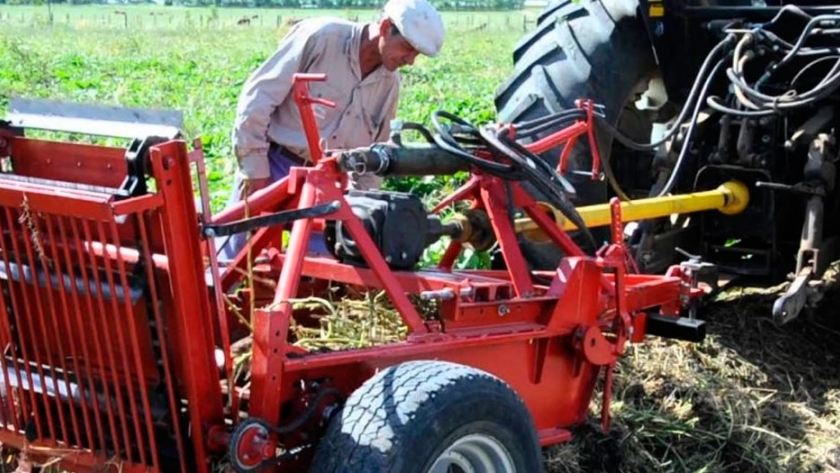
(753, 397)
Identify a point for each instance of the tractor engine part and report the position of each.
(815, 252)
(696, 94)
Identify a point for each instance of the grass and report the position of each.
(752, 398)
(200, 71)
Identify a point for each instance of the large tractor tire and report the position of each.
(430, 417)
(582, 49)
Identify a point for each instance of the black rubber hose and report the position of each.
(545, 182)
(447, 142)
(424, 132)
(307, 414)
(689, 134)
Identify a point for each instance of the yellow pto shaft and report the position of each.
(729, 198)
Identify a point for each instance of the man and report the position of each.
(360, 62)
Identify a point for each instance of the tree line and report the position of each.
(451, 5)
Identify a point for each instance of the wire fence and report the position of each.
(208, 18)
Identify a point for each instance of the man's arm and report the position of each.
(266, 88)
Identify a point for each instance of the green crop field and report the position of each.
(752, 398)
(198, 67)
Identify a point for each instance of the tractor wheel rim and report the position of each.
(474, 453)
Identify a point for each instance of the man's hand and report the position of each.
(252, 185)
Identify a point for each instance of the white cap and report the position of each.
(419, 22)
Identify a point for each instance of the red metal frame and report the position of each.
(568, 137)
(550, 341)
(555, 339)
(120, 311)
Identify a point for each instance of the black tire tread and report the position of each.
(400, 393)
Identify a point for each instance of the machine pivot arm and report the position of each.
(277, 218)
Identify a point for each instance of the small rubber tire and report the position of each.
(402, 419)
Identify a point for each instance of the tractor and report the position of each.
(612, 192)
(695, 94)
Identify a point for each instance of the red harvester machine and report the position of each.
(114, 309)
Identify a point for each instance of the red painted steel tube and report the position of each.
(123, 347)
(271, 324)
(555, 139)
(56, 326)
(106, 322)
(53, 201)
(307, 115)
(197, 157)
(129, 255)
(268, 198)
(7, 335)
(85, 376)
(170, 165)
(28, 354)
(468, 188)
(96, 327)
(494, 205)
(164, 352)
(134, 348)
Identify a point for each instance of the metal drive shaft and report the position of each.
(729, 198)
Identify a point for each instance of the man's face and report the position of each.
(396, 51)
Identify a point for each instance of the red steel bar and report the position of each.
(192, 320)
(105, 321)
(33, 243)
(95, 331)
(164, 351)
(55, 260)
(197, 158)
(25, 347)
(7, 334)
(80, 327)
(500, 220)
(135, 349)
